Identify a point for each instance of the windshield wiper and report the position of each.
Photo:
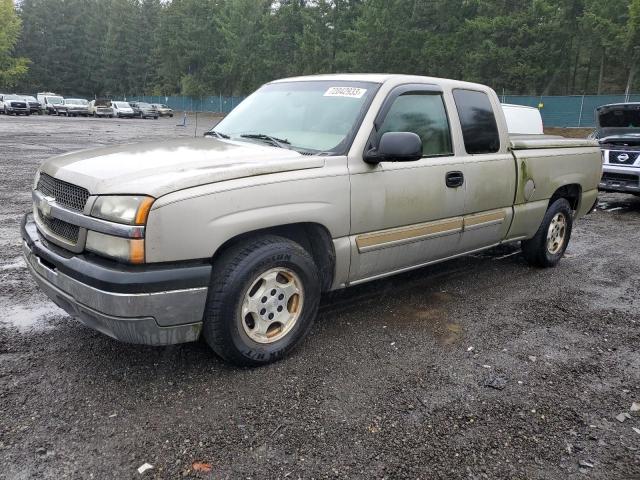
(213, 133)
(278, 142)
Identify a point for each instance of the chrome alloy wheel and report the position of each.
(272, 305)
(556, 233)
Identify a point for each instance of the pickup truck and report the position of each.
(309, 185)
(618, 131)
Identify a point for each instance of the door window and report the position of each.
(424, 115)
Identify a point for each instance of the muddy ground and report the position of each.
(482, 367)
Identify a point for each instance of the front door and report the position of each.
(405, 214)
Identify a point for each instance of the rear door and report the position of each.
(489, 169)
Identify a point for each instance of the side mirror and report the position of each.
(396, 147)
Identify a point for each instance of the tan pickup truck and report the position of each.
(311, 184)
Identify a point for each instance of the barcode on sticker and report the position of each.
(352, 92)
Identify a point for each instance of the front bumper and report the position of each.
(152, 305)
(620, 179)
(13, 109)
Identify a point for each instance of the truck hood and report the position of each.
(163, 167)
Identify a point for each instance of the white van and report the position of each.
(122, 110)
(523, 120)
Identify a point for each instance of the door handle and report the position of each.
(454, 179)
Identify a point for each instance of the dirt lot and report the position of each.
(478, 368)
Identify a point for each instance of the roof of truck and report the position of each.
(382, 78)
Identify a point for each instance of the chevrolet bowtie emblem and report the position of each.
(44, 205)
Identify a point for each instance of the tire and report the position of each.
(238, 272)
(171, 115)
(544, 252)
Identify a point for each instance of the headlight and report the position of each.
(123, 249)
(132, 210)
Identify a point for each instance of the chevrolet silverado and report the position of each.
(311, 184)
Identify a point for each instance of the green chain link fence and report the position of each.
(568, 111)
(214, 103)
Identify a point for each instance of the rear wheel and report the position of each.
(262, 301)
(549, 243)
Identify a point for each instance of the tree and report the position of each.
(204, 47)
(11, 68)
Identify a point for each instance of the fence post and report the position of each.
(581, 108)
(220, 109)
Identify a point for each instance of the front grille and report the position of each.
(61, 228)
(66, 194)
(620, 177)
(623, 158)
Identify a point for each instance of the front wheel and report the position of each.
(549, 243)
(263, 299)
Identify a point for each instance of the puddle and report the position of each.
(30, 319)
(435, 317)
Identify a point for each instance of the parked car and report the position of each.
(52, 104)
(163, 110)
(122, 109)
(618, 132)
(77, 106)
(11, 104)
(100, 108)
(34, 105)
(144, 110)
(314, 184)
(523, 120)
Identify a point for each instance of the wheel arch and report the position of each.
(313, 237)
(572, 192)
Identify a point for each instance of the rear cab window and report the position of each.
(478, 121)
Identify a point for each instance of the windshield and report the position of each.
(30, 99)
(75, 101)
(318, 116)
(144, 105)
(55, 100)
(623, 116)
(122, 104)
(13, 97)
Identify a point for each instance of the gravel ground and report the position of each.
(478, 368)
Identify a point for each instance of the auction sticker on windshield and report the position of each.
(352, 92)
